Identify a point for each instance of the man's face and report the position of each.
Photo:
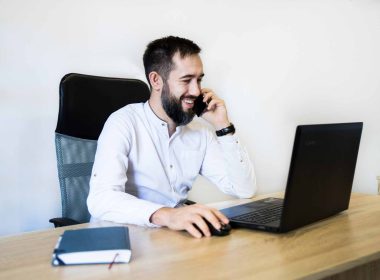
(181, 88)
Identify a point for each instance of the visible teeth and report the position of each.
(188, 101)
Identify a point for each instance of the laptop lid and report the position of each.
(320, 178)
(321, 172)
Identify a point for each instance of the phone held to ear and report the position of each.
(199, 105)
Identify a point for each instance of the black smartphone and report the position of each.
(199, 105)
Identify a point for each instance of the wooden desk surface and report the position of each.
(337, 244)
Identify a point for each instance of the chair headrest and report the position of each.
(85, 102)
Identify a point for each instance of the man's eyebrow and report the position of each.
(191, 76)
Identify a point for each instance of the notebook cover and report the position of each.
(91, 239)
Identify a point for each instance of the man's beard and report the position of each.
(173, 107)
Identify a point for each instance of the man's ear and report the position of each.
(155, 81)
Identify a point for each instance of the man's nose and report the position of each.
(195, 89)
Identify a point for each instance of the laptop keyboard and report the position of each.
(262, 216)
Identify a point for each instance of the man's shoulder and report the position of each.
(130, 111)
(126, 117)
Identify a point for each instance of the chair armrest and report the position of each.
(62, 222)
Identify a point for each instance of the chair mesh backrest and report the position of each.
(75, 158)
(84, 105)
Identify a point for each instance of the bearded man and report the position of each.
(149, 154)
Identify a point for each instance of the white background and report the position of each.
(277, 64)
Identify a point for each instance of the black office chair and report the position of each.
(85, 102)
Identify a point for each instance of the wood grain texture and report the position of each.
(346, 243)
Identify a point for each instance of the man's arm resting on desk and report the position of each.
(184, 218)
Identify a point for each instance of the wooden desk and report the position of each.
(347, 246)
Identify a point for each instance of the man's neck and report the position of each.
(157, 109)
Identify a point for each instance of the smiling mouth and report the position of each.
(188, 102)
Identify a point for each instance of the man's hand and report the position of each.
(185, 218)
(216, 111)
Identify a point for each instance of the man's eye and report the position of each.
(199, 81)
(186, 81)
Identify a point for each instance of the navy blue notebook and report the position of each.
(93, 246)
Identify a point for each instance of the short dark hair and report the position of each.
(159, 54)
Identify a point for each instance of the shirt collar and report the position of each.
(152, 117)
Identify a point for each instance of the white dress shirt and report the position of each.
(138, 168)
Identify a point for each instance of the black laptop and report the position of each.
(319, 183)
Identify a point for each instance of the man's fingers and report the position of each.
(198, 223)
(215, 102)
(211, 99)
(216, 218)
(201, 225)
(208, 96)
(190, 228)
(193, 219)
(221, 216)
(212, 218)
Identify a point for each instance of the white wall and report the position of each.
(276, 63)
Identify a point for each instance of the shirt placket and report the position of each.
(170, 166)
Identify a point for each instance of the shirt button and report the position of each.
(163, 124)
(171, 166)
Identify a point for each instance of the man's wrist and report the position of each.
(222, 125)
(226, 130)
(159, 217)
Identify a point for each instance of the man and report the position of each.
(149, 154)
